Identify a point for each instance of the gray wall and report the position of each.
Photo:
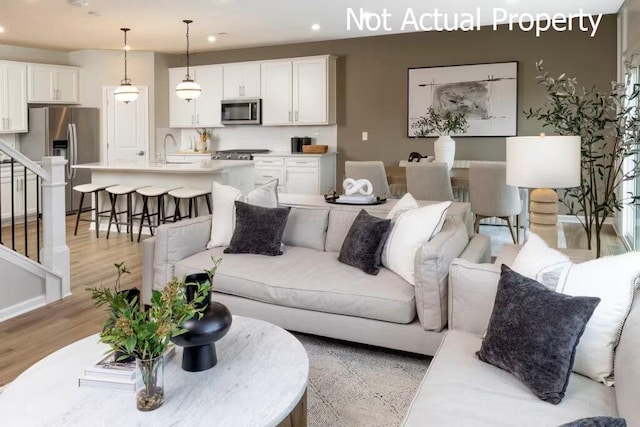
(372, 79)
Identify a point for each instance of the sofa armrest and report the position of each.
(175, 242)
(432, 270)
(148, 254)
(472, 292)
(478, 249)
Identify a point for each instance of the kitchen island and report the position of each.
(201, 175)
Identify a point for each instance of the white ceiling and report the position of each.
(156, 25)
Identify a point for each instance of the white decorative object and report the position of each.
(445, 150)
(410, 230)
(360, 186)
(536, 258)
(223, 221)
(267, 358)
(614, 280)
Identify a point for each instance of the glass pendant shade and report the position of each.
(126, 92)
(188, 89)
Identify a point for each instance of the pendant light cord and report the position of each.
(126, 79)
(188, 21)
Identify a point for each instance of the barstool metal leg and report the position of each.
(129, 217)
(207, 197)
(113, 198)
(145, 213)
(96, 212)
(195, 205)
(75, 232)
(191, 207)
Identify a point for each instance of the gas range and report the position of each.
(244, 154)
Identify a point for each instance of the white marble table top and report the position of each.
(260, 377)
(144, 166)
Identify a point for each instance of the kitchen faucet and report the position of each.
(164, 147)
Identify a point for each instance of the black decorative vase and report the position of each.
(199, 340)
(129, 294)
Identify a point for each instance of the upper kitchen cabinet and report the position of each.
(203, 111)
(242, 80)
(53, 84)
(13, 97)
(299, 91)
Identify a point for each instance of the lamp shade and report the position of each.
(188, 89)
(543, 161)
(126, 93)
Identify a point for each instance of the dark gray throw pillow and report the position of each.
(533, 333)
(362, 247)
(258, 230)
(597, 422)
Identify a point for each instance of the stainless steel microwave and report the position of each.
(241, 111)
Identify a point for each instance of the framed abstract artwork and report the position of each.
(486, 93)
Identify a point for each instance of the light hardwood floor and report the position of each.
(28, 338)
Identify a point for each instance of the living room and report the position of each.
(371, 97)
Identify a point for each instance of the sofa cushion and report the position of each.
(258, 230)
(533, 333)
(362, 248)
(309, 279)
(306, 227)
(628, 366)
(597, 422)
(461, 390)
(536, 259)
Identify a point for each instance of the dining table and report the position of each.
(397, 177)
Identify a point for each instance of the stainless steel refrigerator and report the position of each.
(71, 132)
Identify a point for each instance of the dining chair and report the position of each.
(370, 170)
(429, 181)
(490, 196)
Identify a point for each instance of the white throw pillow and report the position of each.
(224, 197)
(406, 202)
(539, 262)
(614, 280)
(410, 229)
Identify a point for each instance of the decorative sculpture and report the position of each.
(353, 187)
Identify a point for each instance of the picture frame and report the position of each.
(486, 93)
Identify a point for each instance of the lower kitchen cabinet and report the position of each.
(16, 188)
(297, 173)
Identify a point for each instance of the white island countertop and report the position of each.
(159, 167)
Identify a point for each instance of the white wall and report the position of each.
(27, 54)
(106, 68)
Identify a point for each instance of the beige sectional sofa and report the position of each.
(461, 390)
(308, 290)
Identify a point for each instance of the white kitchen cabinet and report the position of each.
(53, 84)
(241, 80)
(299, 91)
(298, 174)
(203, 111)
(277, 92)
(314, 90)
(16, 189)
(13, 97)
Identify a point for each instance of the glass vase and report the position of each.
(150, 387)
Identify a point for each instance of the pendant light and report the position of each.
(188, 89)
(126, 92)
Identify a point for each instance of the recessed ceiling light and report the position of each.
(93, 13)
(315, 27)
(127, 47)
(1, 30)
(211, 39)
(78, 3)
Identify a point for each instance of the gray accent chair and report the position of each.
(429, 181)
(490, 196)
(371, 170)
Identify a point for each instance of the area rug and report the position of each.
(354, 385)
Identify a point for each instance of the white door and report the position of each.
(208, 103)
(126, 127)
(16, 112)
(181, 112)
(277, 100)
(310, 91)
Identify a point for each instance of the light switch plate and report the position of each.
(365, 136)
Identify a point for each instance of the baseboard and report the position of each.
(22, 307)
(573, 219)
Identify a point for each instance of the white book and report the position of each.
(110, 384)
(108, 368)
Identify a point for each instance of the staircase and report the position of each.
(34, 257)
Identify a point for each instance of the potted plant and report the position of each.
(205, 135)
(442, 123)
(146, 334)
(609, 126)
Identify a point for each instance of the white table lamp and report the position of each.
(544, 163)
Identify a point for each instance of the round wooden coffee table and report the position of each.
(260, 380)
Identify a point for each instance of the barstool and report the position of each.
(94, 189)
(146, 193)
(192, 195)
(114, 192)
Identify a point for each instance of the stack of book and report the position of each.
(110, 374)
